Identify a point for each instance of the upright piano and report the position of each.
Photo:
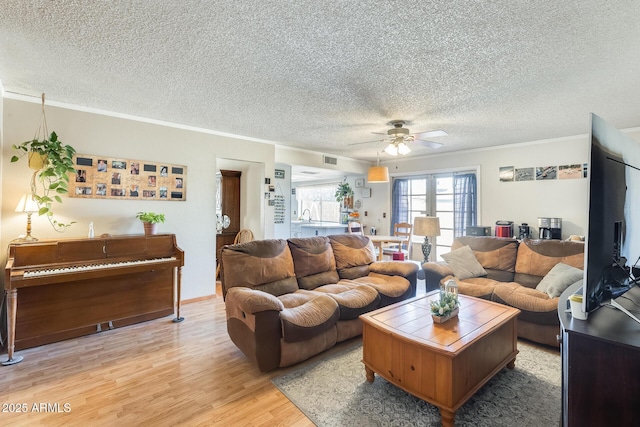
(62, 289)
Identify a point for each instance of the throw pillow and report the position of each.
(559, 278)
(464, 263)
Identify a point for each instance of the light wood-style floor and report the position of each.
(154, 373)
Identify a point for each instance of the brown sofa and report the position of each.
(288, 300)
(513, 271)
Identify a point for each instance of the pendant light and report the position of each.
(377, 173)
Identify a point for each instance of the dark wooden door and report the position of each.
(230, 204)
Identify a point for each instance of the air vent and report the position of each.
(330, 160)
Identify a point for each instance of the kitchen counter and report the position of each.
(319, 228)
(322, 224)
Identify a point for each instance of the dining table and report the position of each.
(379, 241)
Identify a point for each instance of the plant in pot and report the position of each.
(52, 162)
(150, 221)
(344, 194)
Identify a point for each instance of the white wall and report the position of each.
(514, 201)
(297, 156)
(193, 220)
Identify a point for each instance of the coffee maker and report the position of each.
(550, 228)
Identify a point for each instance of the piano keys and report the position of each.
(62, 289)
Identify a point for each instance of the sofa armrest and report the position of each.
(253, 324)
(394, 268)
(434, 272)
(252, 301)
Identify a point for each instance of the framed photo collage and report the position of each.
(100, 177)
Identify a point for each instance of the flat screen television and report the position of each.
(611, 178)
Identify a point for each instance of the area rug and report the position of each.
(335, 392)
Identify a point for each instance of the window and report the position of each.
(451, 197)
(318, 202)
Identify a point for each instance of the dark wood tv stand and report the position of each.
(600, 365)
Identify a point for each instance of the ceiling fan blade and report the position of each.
(428, 144)
(432, 133)
(366, 142)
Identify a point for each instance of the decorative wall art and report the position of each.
(546, 172)
(524, 174)
(100, 177)
(542, 173)
(279, 203)
(570, 171)
(506, 173)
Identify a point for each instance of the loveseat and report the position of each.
(529, 275)
(288, 300)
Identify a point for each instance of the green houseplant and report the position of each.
(150, 221)
(446, 307)
(344, 194)
(52, 162)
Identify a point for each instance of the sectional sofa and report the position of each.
(288, 300)
(529, 275)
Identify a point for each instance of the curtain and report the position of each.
(465, 202)
(399, 201)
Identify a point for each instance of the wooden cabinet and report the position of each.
(600, 365)
(230, 205)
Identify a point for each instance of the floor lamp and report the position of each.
(427, 226)
(28, 205)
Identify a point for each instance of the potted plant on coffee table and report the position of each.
(150, 221)
(445, 308)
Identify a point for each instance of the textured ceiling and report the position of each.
(325, 74)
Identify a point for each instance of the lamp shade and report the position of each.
(378, 174)
(27, 204)
(426, 226)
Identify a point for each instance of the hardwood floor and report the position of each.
(154, 373)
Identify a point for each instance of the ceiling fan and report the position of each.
(399, 136)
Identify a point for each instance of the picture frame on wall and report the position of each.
(366, 193)
(102, 177)
(360, 183)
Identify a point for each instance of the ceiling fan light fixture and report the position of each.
(403, 148)
(391, 149)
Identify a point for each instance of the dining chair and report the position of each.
(242, 236)
(400, 229)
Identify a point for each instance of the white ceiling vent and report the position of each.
(330, 160)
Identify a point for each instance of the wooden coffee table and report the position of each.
(443, 364)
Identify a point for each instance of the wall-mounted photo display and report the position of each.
(524, 174)
(543, 173)
(570, 171)
(546, 172)
(101, 177)
(506, 173)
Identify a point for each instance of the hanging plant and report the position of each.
(52, 161)
(344, 191)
